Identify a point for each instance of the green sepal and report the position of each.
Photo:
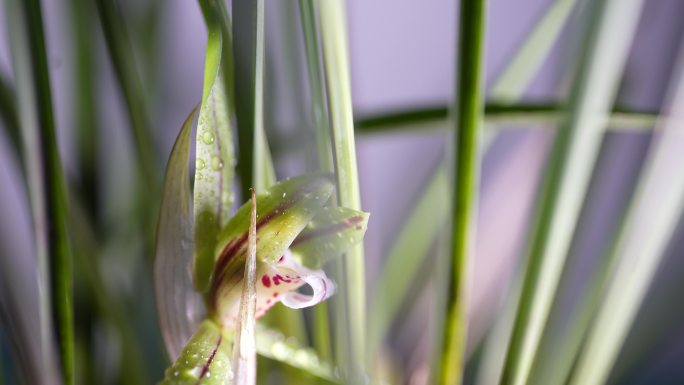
(282, 213)
(205, 359)
(330, 233)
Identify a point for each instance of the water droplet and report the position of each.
(279, 350)
(199, 164)
(208, 138)
(208, 374)
(301, 357)
(216, 163)
(284, 194)
(176, 373)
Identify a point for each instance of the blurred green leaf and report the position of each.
(530, 56)
(402, 266)
(571, 163)
(540, 116)
(651, 221)
(274, 345)
(121, 54)
(46, 182)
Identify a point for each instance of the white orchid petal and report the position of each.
(280, 283)
(322, 286)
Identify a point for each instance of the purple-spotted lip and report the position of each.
(280, 284)
(319, 186)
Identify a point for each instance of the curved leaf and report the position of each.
(179, 306)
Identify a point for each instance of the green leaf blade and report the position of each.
(174, 288)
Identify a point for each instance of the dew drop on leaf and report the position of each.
(208, 138)
(216, 163)
(199, 164)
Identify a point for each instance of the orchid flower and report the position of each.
(199, 300)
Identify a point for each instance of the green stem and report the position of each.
(469, 112)
(351, 320)
(46, 181)
(543, 115)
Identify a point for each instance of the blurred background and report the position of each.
(402, 58)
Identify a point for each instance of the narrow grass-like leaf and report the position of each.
(214, 153)
(178, 304)
(321, 124)
(426, 220)
(319, 109)
(572, 160)
(651, 220)
(46, 181)
(19, 297)
(121, 54)
(264, 173)
(244, 349)
(255, 167)
(351, 312)
(543, 116)
(530, 56)
(469, 110)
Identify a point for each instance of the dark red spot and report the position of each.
(282, 258)
(275, 294)
(266, 281)
(268, 301)
(276, 280)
